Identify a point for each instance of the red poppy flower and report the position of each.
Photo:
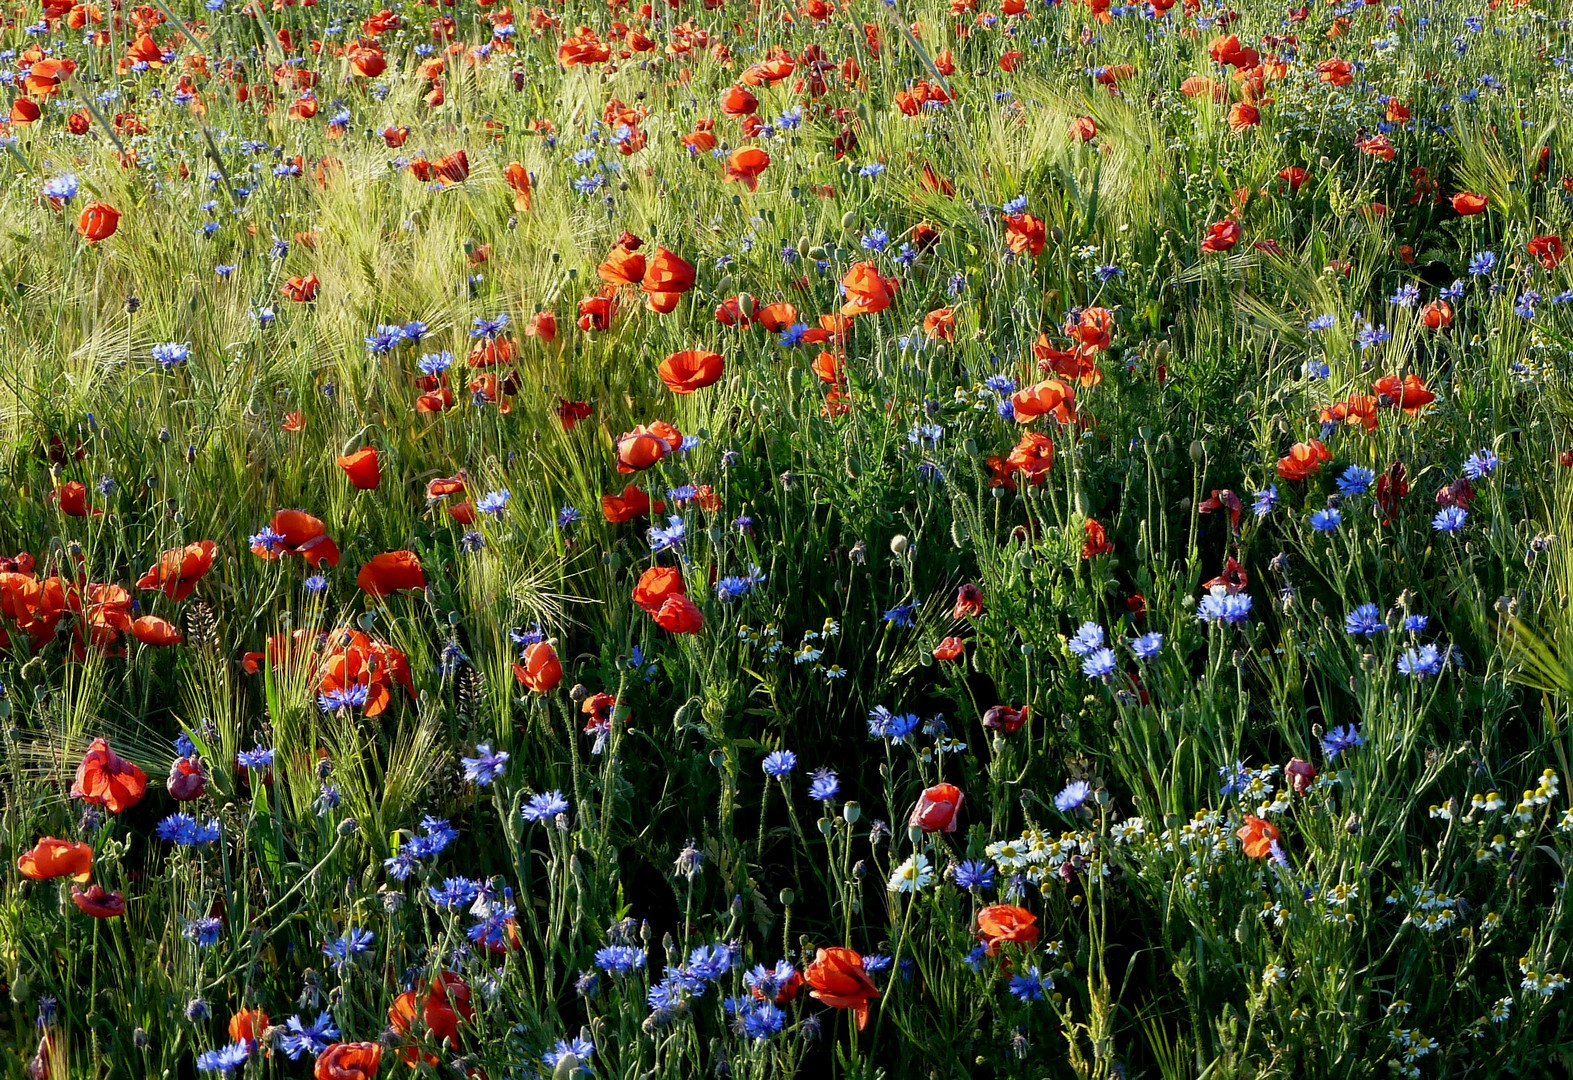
(1409, 393)
(680, 615)
(52, 858)
(1050, 397)
(1005, 718)
(744, 166)
(1300, 774)
(867, 291)
(300, 534)
(106, 779)
(187, 781)
(1097, 542)
(391, 572)
(1303, 459)
(362, 468)
(98, 902)
(666, 272)
(950, 648)
(1257, 836)
(71, 497)
(969, 602)
(1437, 315)
(836, 977)
(301, 290)
(1025, 234)
(1222, 236)
(98, 221)
(1547, 251)
(1467, 204)
(152, 630)
(690, 370)
(1002, 923)
(348, 1061)
(937, 809)
(539, 670)
(247, 1026)
(179, 569)
(631, 504)
(643, 447)
(1033, 455)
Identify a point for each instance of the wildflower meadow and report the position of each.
(755, 539)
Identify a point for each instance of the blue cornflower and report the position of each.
(383, 339)
(568, 516)
(1364, 621)
(302, 1038)
(900, 615)
(1147, 646)
(974, 874)
(341, 950)
(1317, 369)
(1088, 639)
(1108, 273)
(1407, 296)
(1454, 291)
(670, 537)
(171, 353)
(823, 785)
(1236, 779)
(545, 807)
(779, 763)
(455, 892)
(1483, 263)
(876, 963)
(485, 766)
(259, 758)
(875, 239)
(223, 270)
(1340, 739)
(793, 335)
(266, 539)
(204, 931)
(353, 696)
(438, 835)
(884, 724)
(62, 187)
(1416, 624)
(224, 1060)
(1322, 322)
(1370, 335)
(1016, 205)
(1524, 307)
(493, 501)
(762, 1019)
(620, 959)
(1224, 607)
(1450, 519)
(1356, 480)
(186, 831)
(1027, 987)
(432, 364)
(1099, 664)
(1421, 662)
(1327, 520)
(489, 327)
(1480, 464)
(706, 963)
(413, 331)
(1003, 385)
(1072, 796)
(872, 170)
(1264, 501)
(581, 1050)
